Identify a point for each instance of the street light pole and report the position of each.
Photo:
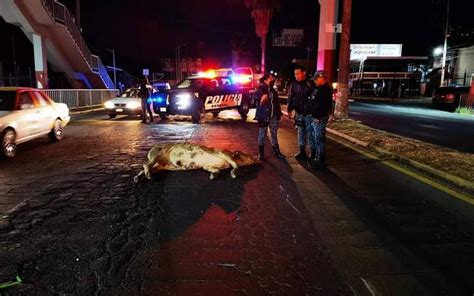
(445, 47)
(308, 49)
(78, 14)
(113, 64)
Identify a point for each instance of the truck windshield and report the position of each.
(7, 100)
(194, 83)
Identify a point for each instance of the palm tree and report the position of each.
(262, 11)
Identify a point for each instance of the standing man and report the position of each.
(320, 107)
(144, 95)
(268, 115)
(298, 95)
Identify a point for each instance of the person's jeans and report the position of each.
(303, 124)
(146, 107)
(262, 132)
(319, 134)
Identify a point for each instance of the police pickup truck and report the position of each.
(200, 94)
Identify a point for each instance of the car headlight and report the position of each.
(109, 105)
(133, 105)
(184, 100)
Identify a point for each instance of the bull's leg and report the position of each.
(232, 163)
(137, 177)
(146, 170)
(214, 172)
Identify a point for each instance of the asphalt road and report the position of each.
(73, 222)
(418, 120)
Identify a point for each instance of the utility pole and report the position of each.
(178, 61)
(113, 64)
(445, 47)
(308, 49)
(342, 101)
(15, 67)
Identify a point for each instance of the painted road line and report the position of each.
(392, 164)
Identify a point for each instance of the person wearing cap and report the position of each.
(268, 115)
(320, 108)
(298, 95)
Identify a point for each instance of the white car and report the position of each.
(27, 114)
(128, 103)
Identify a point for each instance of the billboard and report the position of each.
(361, 51)
(288, 38)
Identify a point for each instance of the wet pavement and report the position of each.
(73, 222)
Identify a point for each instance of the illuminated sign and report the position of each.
(362, 51)
(288, 38)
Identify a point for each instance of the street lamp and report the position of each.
(445, 47)
(438, 51)
(113, 64)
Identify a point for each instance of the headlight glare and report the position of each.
(133, 105)
(184, 100)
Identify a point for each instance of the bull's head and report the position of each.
(243, 159)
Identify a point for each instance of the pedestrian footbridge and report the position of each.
(58, 41)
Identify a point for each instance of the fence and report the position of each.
(80, 98)
(466, 103)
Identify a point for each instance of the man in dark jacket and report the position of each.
(320, 108)
(144, 94)
(298, 95)
(268, 115)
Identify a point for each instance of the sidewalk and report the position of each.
(447, 166)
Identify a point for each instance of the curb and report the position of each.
(460, 182)
(74, 112)
(390, 100)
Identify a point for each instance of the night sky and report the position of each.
(144, 31)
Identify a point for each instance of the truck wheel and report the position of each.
(215, 114)
(163, 116)
(244, 109)
(196, 115)
(112, 115)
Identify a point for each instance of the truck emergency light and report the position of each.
(242, 79)
(208, 74)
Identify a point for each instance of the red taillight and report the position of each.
(450, 97)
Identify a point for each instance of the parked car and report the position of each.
(128, 103)
(448, 97)
(161, 86)
(27, 114)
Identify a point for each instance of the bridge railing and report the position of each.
(81, 98)
(99, 68)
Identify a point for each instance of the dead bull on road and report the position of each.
(188, 156)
